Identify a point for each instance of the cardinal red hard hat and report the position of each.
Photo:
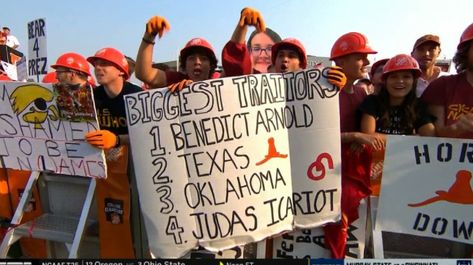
(290, 42)
(352, 42)
(114, 56)
(466, 36)
(50, 78)
(401, 62)
(73, 61)
(198, 43)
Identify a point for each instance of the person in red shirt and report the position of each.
(258, 48)
(288, 55)
(350, 52)
(450, 98)
(197, 59)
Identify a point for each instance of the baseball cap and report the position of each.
(377, 64)
(426, 38)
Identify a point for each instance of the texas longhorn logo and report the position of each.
(460, 192)
(272, 152)
(32, 100)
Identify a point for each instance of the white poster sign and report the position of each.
(427, 188)
(310, 243)
(37, 48)
(230, 161)
(41, 131)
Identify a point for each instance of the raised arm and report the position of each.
(144, 70)
(236, 59)
(248, 17)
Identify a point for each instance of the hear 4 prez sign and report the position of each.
(37, 48)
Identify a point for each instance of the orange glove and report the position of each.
(178, 86)
(102, 139)
(252, 17)
(157, 25)
(336, 77)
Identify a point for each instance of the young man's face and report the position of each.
(198, 66)
(261, 51)
(354, 65)
(106, 72)
(63, 75)
(426, 54)
(376, 77)
(287, 60)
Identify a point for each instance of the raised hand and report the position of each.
(252, 17)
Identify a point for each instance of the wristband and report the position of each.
(149, 41)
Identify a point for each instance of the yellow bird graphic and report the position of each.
(34, 98)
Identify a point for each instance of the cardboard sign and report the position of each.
(310, 243)
(37, 48)
(43, 127)
(230, 161)
(427, 188)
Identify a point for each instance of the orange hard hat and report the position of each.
(401, 62)
(50, 78)
(73, 61)
(466, 36)
(198, 43)
(114, 56)
(291, 43)
(352, 42)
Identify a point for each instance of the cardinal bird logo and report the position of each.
(30, 102)
(460, 192)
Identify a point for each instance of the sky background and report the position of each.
(86, 26)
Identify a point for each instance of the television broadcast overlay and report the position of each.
(242, 262)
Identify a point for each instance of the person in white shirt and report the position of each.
(12, 41)
(426, 51)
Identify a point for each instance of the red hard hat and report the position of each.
(73, 61)
(114, 56)
(352, 42)
(198, 43)
(50, 78)
(91, 81)
(466, 36)
(290, 42)
(401, 62)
